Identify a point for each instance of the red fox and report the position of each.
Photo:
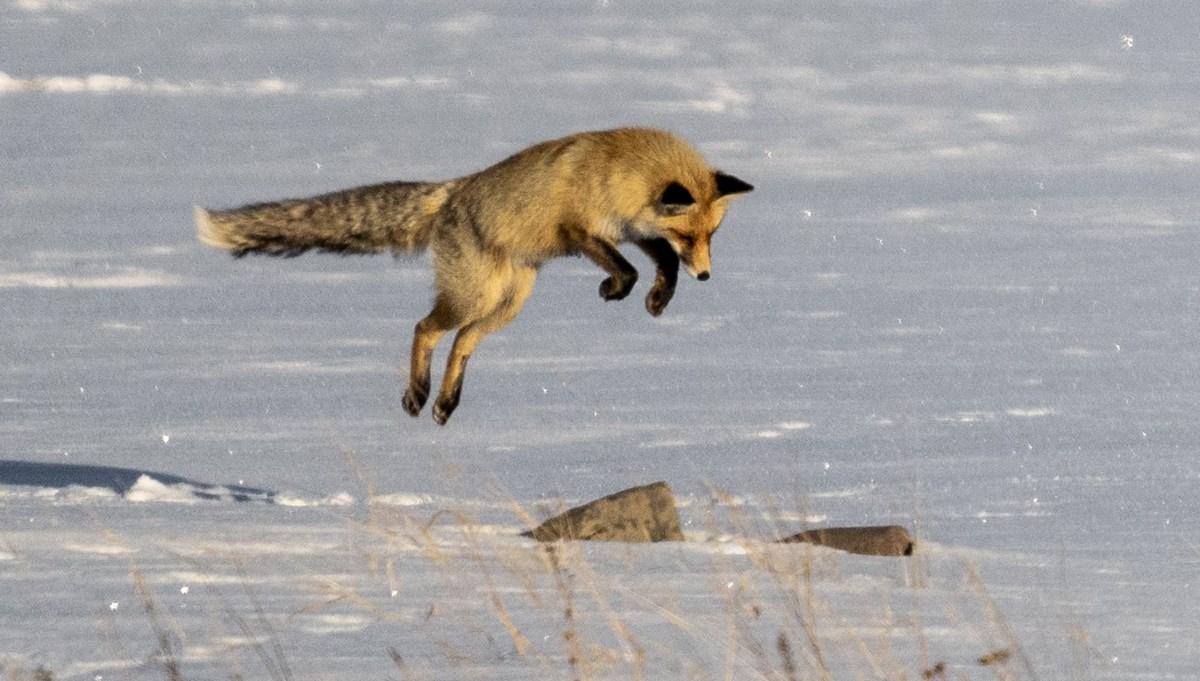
(490, 232)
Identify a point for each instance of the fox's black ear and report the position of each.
(728, 185)
(675, 200)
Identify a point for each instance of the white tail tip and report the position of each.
(206, 231)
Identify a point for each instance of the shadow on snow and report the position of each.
(119, 480)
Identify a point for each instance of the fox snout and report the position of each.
(698, 273)
(694, 257)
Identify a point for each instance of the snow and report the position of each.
(962, 298)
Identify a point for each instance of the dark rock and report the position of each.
(881, 540)
(639, 514)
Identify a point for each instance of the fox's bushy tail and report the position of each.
(397, 217)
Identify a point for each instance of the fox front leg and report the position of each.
(667, 262)
(621, 275)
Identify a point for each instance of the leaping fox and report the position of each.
(490, 232)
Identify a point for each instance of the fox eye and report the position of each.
(675, 200)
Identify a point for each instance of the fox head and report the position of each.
(688, 224)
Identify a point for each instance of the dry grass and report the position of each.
(780, 620)
(736, 606)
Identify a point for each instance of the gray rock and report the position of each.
(638, 514)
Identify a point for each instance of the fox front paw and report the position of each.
(616, 288)
(660, 294)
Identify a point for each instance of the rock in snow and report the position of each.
(884, 540)
(638, 514)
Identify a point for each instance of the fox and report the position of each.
(490, 232)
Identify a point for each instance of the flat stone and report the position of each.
(638, 514)
(877, 540)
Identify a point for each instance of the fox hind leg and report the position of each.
(516, 292)
(429, 331)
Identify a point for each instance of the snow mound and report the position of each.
(82, 484)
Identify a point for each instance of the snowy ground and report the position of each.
(963, 298)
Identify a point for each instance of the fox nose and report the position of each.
(702, 276)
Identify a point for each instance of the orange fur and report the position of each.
(489, 232)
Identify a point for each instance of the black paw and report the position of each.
(443, 408)
(616, 288)
(415, 398)
(656, 300)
